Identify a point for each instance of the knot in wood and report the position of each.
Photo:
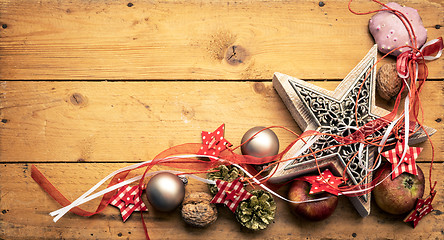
(259, 87)
(77, 99)
(236, 54)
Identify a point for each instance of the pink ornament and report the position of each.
(389, 32)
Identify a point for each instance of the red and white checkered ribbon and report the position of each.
(407, 164)
(128, 201)
(230, 194)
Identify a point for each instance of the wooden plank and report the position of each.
(25, 206)
(190, 39)
(133, 121)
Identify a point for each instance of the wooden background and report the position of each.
(88, 87)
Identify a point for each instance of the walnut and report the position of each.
(388, 82)
(197, 209)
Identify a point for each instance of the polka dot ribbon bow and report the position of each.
(214, 142)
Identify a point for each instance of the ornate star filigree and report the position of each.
(334, 112)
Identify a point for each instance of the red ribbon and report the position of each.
(403, 60)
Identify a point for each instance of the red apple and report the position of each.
(315, 211)
(399, 195)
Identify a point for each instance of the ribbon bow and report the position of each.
(434, 46)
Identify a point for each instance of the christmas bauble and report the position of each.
(165, 191)
(264, 144)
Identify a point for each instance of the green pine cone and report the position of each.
(227, 173)
(256, 212)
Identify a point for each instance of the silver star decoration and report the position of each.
(333, 112)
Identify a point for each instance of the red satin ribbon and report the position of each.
(434, 48)
(62, 200)
(403, 61)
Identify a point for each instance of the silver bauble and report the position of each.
(264, 144)
(165, 191)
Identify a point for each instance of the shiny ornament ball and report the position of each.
(264, 144)
(165, 191)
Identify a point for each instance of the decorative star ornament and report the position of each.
(128, 200)
(333, 112)
(214, 142)
(422, 208)
(326, 182)
(407, 164)
(230, 194)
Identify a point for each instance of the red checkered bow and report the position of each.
(408, 163)
(128, 200)
(230, 194)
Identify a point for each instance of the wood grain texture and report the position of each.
(24, 213)
(77, 132)
(101, 39)
(134, 121)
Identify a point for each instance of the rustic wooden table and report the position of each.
(91, 86)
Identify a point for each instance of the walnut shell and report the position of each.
(388, 82)
(197, 209)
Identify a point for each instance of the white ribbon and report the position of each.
(427, 58)
(61, 212)
(274, 193)
(385, 137)
(430, 58)
(86, 196)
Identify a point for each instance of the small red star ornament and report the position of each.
(128, 200)
(326, 182)
(408, 163)
(422, 208)
(214, 142)
(230, 194)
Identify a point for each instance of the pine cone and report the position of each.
(256, 212)
(225, 173)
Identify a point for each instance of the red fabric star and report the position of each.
(408, 163)
(326, 182)
(230, 194)
(423, 207)
(128, 200)
(214, 142)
